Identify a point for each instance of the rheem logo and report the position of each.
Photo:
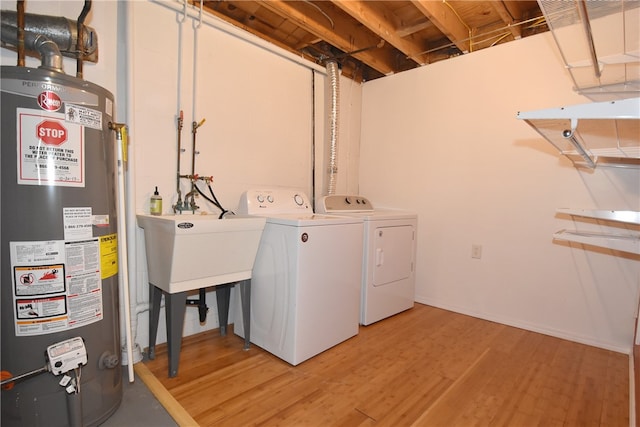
(49, 101)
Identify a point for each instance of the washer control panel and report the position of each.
(274, 201)
(344, 203)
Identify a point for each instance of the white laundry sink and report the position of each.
(188, 251)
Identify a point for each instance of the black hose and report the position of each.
(213, 200)
(207, 197)
(214, 197)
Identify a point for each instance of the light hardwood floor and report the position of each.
(422, 367)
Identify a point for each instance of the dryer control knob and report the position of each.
(298, 199)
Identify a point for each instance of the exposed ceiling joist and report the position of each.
(336, 31)
(409, 29)
(373, 17)
(443, 15)
(501, 9)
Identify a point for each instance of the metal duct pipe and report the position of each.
(60, 30)
(333, 73)
(48, 50)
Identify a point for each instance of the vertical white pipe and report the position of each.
(123, 274)
(196, 27)
(180, 18)
(130, 194)
(130, 182)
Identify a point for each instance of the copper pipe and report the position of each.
(20, 24)
(80, 41)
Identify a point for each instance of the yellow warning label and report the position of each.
(109, 255)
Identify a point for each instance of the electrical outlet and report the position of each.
(476, 251)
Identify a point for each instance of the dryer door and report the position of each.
(393, 254)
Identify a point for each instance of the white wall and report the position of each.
(444, 140)
(257, 107)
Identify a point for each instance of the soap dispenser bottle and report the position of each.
(156, 203)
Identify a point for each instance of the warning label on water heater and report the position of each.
(50, 149)
(57, 285)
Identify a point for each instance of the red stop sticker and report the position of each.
(51, 132)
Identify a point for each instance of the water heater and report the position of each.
(59, 249)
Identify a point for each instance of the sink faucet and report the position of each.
(192, 203)
(186, 205)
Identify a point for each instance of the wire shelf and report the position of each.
(599, 44)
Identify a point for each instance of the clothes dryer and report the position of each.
(388, 257)
(305, 286)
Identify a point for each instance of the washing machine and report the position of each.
(305, 285)
(388, 257)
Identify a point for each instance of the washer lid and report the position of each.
(312, 220)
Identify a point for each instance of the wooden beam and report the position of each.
(447, 21)
(501, 9)
(337, 29)
(374, 18)
(407, 30)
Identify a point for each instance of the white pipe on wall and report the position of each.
(179, 113)
(131, 189)
(196, 24)
(227, 28)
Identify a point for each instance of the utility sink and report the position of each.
(195, 251)
(192, 251)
